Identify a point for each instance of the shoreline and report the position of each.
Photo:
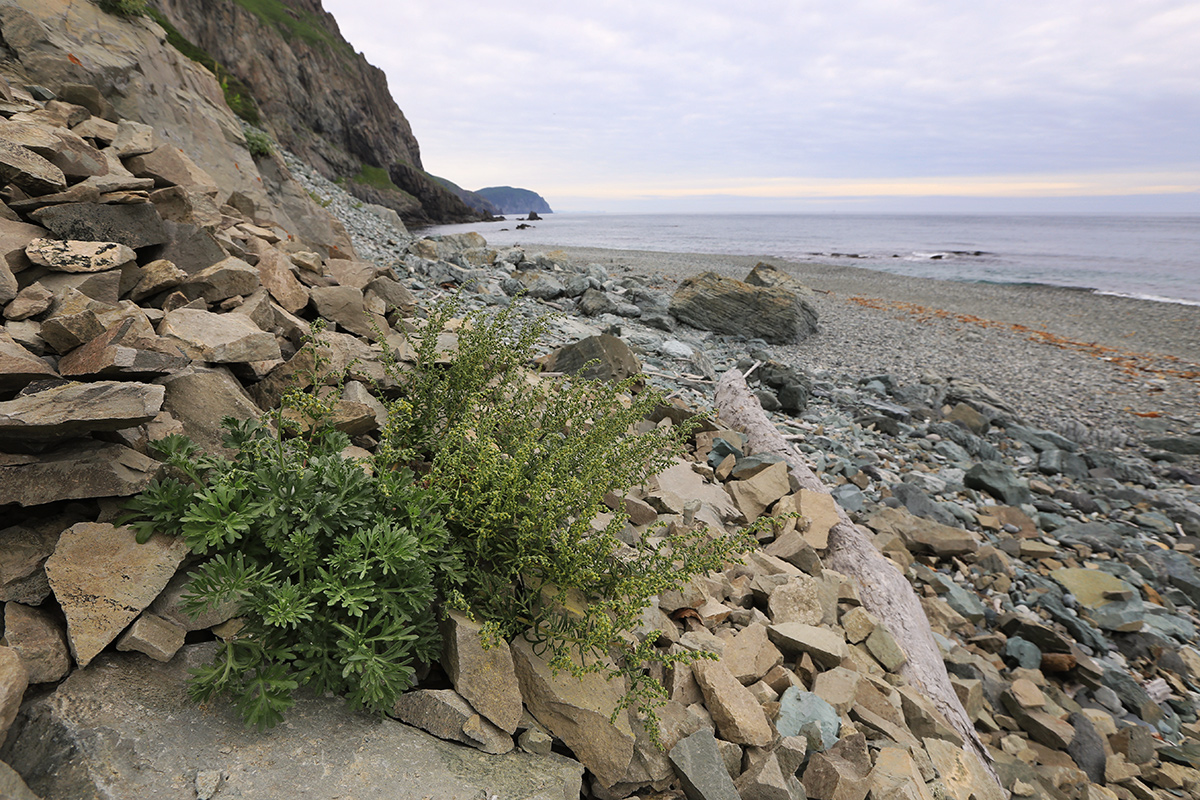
(1170, 328)
(1117, 366)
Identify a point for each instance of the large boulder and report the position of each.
(713, 302)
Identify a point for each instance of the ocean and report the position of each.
(1154, 257)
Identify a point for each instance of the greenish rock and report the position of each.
(961, 600)
(749, 466)
(1132, 695)
(1187, 445)
(1127, 616)
(805, 714)
(1025, 653)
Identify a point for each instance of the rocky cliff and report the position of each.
(320, 98)
(123, 68)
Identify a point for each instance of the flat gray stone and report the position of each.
(79, 256)
(75, 409)
(322, 750)
(74, 472)
(445, 714)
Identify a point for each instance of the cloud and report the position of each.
(653, 94)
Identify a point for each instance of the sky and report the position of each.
(767, 105)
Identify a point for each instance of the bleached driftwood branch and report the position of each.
(884, 591)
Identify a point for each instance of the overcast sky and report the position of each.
(762, 105)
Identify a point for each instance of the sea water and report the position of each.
(1155, 257)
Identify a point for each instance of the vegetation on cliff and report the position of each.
(297, 24)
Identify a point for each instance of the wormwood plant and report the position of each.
(334, 570)
(524, 464)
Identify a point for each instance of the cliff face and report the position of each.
(64, 43)
(322, 100)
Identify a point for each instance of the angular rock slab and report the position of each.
(74, 472)
(103, 579)
(75, 409)
(322, 750)
(79, 256)
(578, 712)
(697, 762)
(14, 680)
(131, 225)
(119, 352)
(38, 639)
(613, 359)
(487, 678)
(738, 715)
(218, 338)
(28, 170)
(445, 714)
(18, 366)
(200, 398)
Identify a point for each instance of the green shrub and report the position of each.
(375, 177)
(258, 143)
(335, 570)
(525, 465)
(323, 202)
(297, 24)
(123, 8)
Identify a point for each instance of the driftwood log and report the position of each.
(884, 591)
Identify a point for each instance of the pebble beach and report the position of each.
(1115, 364)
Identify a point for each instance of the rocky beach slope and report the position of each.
(979, 576)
